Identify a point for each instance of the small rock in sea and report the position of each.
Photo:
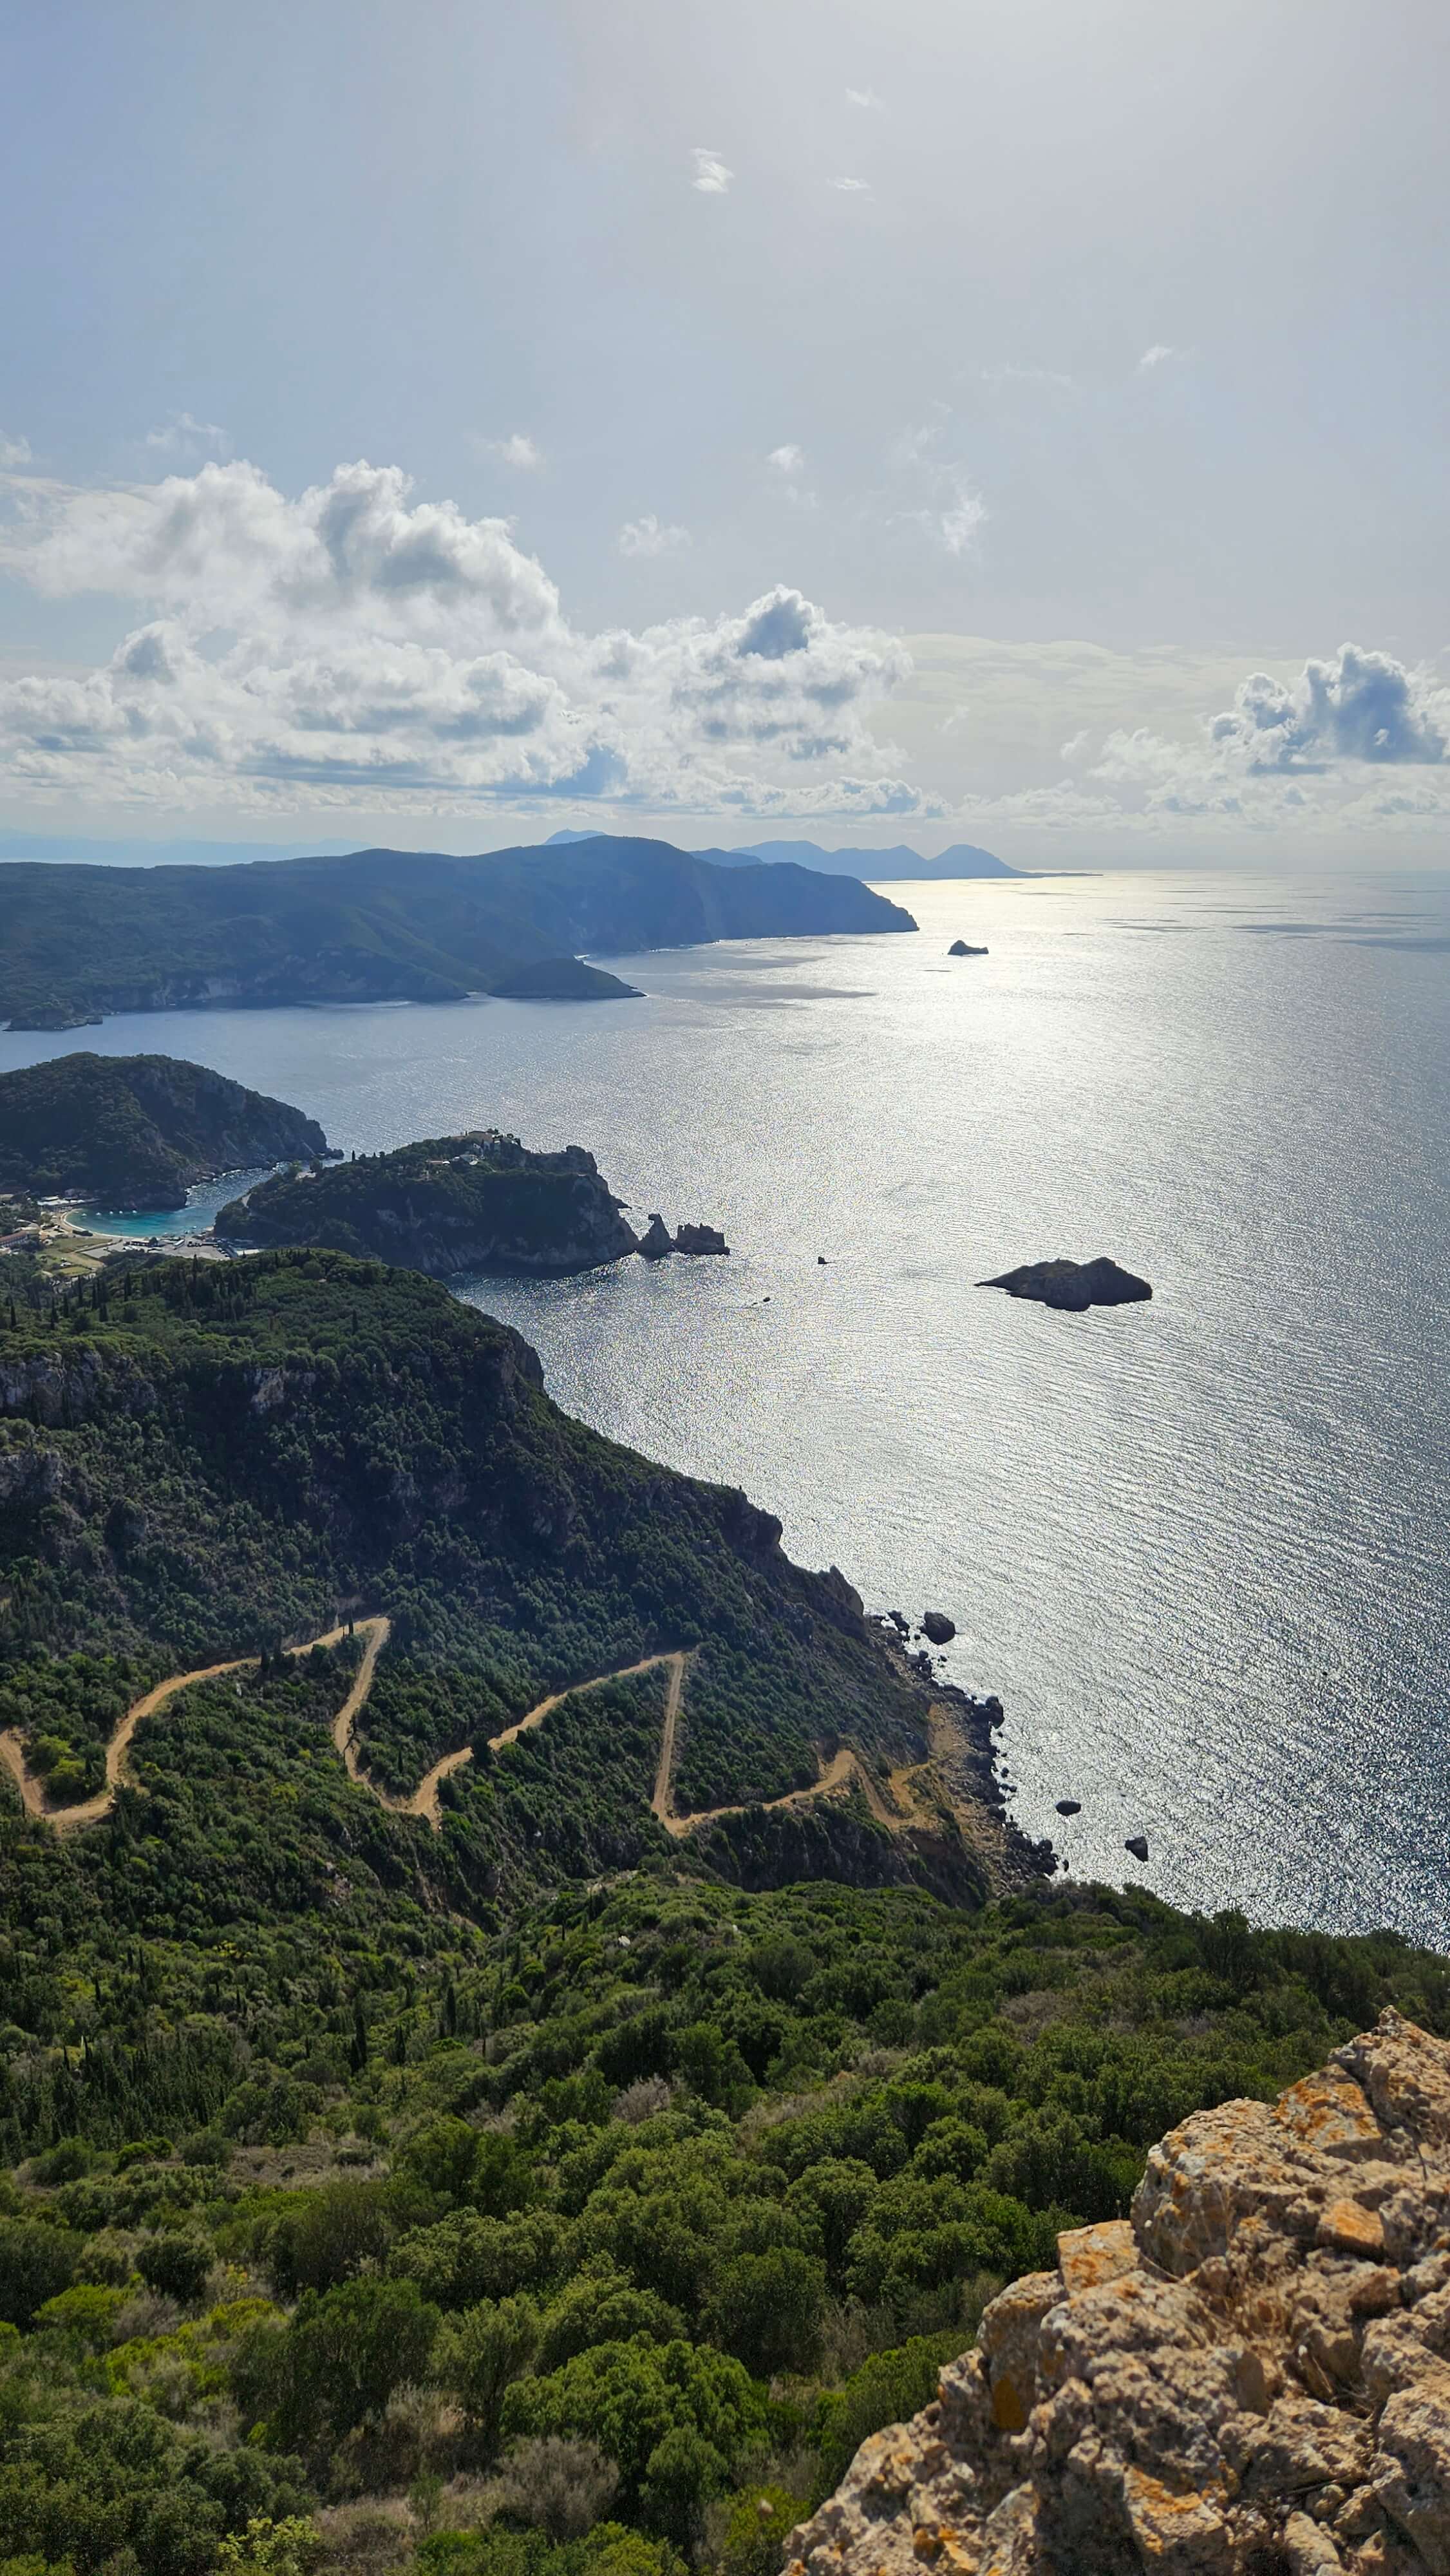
(1069, 1806)
(700, 1238)
(936, 1625)
(960, 948)
(1072, 1286)
(901, 1625)
(996, 1714)
(657, 1240)
(1137, 1844)
(820, 1261)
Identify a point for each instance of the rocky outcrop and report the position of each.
(1072, 1286)
(936, 1625)
(657, 1242)
(963, 948)
(1248, 2377)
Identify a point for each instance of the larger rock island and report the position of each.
(445, 1205)
(135, 1131)
(1073, 1286)
(386, 925)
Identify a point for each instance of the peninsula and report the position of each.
(135, 1131)
(386, 925)
(445, 1205)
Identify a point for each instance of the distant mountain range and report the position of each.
(961, 860)
(77, 942)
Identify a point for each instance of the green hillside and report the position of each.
(137, 1130)
(445, 1204)
(76, 942)
(531, 2184)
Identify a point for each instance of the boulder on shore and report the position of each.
(936, 1625)
(962, 948)
(1072, 1286)
(1137, 1844)
(1247, 2373)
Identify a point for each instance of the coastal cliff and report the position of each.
(1249, 2377)
(445, 1205)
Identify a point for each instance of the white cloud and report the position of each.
(916, 446)
(960, 525)
(787, 460)
(355, 645)
(853, 187)
(1297, 750)
(14, 453)
(648, 536)
(1158, 356)
(1005, 373)
(518, 450)
(185, 439)
(1359, 706)
(712, 175)
(864, 98)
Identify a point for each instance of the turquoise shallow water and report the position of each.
(155, 1224)
(1200, 1546)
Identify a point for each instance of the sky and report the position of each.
(1020, 421)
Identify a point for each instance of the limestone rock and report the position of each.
(936, 1625)
(657, 1240)
(1252, 2373)
(700, 1238)
(962, 948)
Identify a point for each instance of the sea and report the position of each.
(1199, 1547)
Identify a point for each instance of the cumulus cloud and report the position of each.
(355, 642)
(853, 187)
(712, 175)
(864, 98)
(787, 460)
(1359, 706)
(1158, 356)
(649, 536)
(518, 450)
(14, 453)
(1291, 750)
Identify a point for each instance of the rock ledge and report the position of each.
(1250, 2377)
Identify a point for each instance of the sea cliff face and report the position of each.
(1249, 2377)
(448, 1205)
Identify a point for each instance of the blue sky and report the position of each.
(1021, 421)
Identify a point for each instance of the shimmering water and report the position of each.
(1199, 1547)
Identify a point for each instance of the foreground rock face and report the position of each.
(1251, 2377)
(1072, 1285)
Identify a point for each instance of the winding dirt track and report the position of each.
(424, 1800)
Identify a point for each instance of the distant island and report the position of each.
(444, 1205)
(136, 1131)
(77, 942)
(961, 860)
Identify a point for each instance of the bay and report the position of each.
(1199, 1547)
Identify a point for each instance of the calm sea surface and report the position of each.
(1201, 1548)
